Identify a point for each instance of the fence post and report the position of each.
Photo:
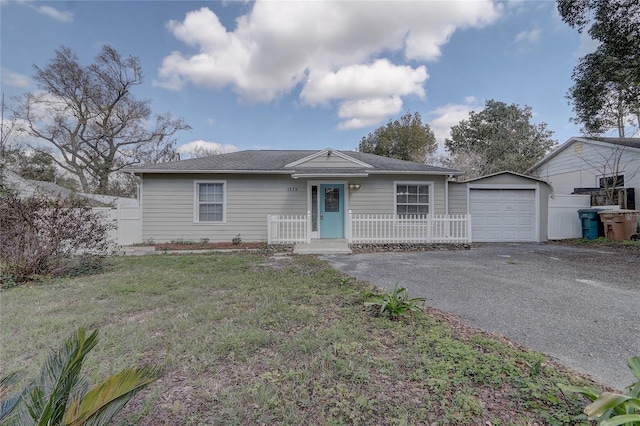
(268, 229)
(308, 237)
(469, 228)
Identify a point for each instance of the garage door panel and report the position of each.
(502, 214)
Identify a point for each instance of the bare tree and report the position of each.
(609, 164)
(91, 117)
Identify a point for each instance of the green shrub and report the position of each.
(611, 408)
(60, 396)
(395, 303)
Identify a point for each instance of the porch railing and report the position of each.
(289, 228)
(390, 228)
(376, 228)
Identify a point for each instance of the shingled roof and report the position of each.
(279, 162)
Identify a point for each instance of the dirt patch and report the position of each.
(208, 246)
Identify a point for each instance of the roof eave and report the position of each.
(418, 172)
(173, 171)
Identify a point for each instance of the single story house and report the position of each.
(296, 196)
(586, 165)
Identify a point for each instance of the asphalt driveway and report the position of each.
(580, 306)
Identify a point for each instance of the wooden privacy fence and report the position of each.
(289, 228)
(389, 228)
(376, 228)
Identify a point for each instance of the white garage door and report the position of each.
(502, 215)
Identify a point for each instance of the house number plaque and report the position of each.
(292, 189)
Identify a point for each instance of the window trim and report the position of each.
(611, 176)
(196, 202)
(428, 183)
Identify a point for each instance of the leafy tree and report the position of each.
(503, 136)
(405, 139)
(606, 93)
(604, 96)
(91, 117)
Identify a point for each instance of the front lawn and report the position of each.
(247, 339)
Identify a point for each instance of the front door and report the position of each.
(332, 211)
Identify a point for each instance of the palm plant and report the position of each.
(60, 396)
(612, 408)
(395, 303)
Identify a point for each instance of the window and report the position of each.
(412, 198)
(210, 201)
(611, 181)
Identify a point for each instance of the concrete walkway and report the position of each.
(323, 246)
(580, 306)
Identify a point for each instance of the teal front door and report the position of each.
(332, 211)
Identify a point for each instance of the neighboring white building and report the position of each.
(588, 165)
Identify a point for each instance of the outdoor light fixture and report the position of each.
(354, 186)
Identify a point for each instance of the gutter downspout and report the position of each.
(446, 194)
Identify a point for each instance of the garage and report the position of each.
(508, 207)
(502, 215)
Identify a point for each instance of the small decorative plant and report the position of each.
(611, 408)
(395, 303)
(60, 396)
(236, 241)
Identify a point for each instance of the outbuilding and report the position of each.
(508, 207)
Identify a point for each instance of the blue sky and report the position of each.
(313, 74)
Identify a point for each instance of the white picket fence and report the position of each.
(289, 228)
(376, 228)
(389, 228)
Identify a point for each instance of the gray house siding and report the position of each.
(168, 206)
(457, 198)
(168, 203)
(377, 193)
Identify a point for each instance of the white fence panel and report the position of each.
(126, 226)
(381, 228)
(563, 221)
(129, 225)
(289, 228)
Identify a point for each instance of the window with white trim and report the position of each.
(210, 201)
(412, 199)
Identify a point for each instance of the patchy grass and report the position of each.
(623, 246)
(245, 339)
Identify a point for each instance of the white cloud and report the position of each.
(52, 12)
(367, 112)
(333, 50)
(201, 146)
(382, 78)
(530, 36)
(443, 118)
(14, 79)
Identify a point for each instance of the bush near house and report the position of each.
(48, 237)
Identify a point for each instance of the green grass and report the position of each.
(245, 339)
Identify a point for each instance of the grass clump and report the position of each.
(244, 339)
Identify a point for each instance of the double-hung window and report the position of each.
(210, 201)
(412, 198)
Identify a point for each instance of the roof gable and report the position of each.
(505, 173)
(328, 157)
(629, 143)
